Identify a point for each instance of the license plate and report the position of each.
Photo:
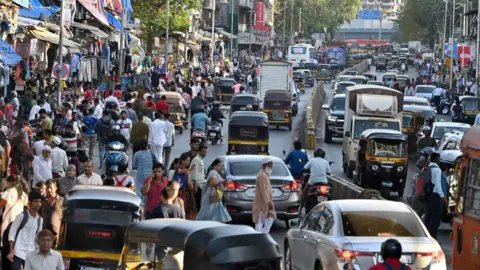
(278, 115)
(213, 134)
(321, 199)
(275, 192)
(406, 259)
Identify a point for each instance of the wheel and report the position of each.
(290, 126)
(318, 266)
(445, 110)
(349, 171)
(288, 257)
(328, 136)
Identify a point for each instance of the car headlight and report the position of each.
(332, 118)
(399, 169)
(375, 167)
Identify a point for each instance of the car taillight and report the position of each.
(66, 263)
(346, 255)
(234, 186)
(324, 189)
(292, 187)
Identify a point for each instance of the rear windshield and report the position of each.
(424, 90)
(226, 83)
(470, 105)
(276, 105)
(358, 80)
(407, 121)
(342, 87)
(338, 104)
(380, 223)
(252, 168)
(297, 74)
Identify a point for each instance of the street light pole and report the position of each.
(122, 42)
(291, 24)
(60, 56)
(444, 29)
(451, 47)
(213, 30)
(231, 29)
(167, 34)
(283, 32)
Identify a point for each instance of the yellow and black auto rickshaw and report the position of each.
(176, 109)
(403, 82)
(248, 133)
(224, 90)
(324, 73)
(299, 79)
(382, 161)
(471, 107)
(241, 100)
(93, 227)
(277, 105)
(197, 245)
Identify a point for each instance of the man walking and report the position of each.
(157, 137)
(170, 136)
(197, 173)
(103, 127)
(434, 198)
(90, 122)
(44, 258)
(263, 210)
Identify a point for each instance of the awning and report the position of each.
(8, 55)
(113, 21)
(22, 21)
(96, 8)
(36, 10)
(94, 30)
(50, 37)
(226, 34)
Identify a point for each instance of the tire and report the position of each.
(287, 263)
(328, 135)
(349, 171)
(445, 110)
(318, 266)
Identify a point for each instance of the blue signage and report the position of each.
(23, 3)
(366, 14)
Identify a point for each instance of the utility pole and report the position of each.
(380, 29)
(60, 56)
(122, 42)
(444, 29)
(213, 30)
(283, 32)
(167, 34)
(299, 20)
(451, 47)
(477, 66)
(231, 28)
(291, 24)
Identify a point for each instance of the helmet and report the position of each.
(426, 128)
(216, 103)
(319, 152)
(201, 108)
(391, 248)
(249, 107)
(430, 118)
(116, 128)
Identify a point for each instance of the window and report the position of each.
(472, 189)
(252, 168)
(338, 104)
(298, 50)
(326, 221)
(311, 221)
(407, 121)
(452, 145)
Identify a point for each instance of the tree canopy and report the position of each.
(317, 15)
(152, 14)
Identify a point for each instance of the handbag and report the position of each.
(214, 197)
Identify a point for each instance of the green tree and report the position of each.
(154, 20)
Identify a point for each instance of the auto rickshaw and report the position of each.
(382, 161)
(370, 76)
(413, 120)
(241, 100)
(471, 107)
(359, 79)
(224, 90)
(277, 105)
(299, 79)
(381, 63)
(176, 109)
(312, 67)
(403, 82)
(248, 133)
(324, 73)
(335, 66)
(93, 227)
(193, 245)
(388, 76)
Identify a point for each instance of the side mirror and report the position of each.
(294, 223)
(347, 133)
(325, 106)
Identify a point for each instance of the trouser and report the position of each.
(157, 151)
(264, 226)
(101, 151)
(17, 263)
(166, 151)
(433, 210)
(90, 141)
(436, 101)
(198, 196)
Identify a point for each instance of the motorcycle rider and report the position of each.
(196, 102)
(200, 120)
(456, 110)
(116, 136)
(391, 253)
(216, 115)
(429, 122)
(427, 140)
(297, 160)
(319, 168)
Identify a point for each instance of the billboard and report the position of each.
(367, 14)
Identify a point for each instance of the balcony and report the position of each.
(246, 3)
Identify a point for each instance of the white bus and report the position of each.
(299, 52)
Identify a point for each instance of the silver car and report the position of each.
(341, 233)
(241, 173)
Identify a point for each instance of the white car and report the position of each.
(341, 78)
(339, 233)
(295, 99)
(440, 128)
(424, 91)
(409, 100)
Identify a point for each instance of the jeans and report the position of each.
(433, 212)
(90, 141)
(166, 152)
(17, 263)
(101, 151)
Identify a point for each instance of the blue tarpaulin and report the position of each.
(113, 21)
(7, 54)
(37, 9)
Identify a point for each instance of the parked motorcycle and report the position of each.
(198, 135)
(115, 156)
(214, 132)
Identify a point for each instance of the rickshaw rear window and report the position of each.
(424, 90)
(248, 133)
(362, 125)
(252, 167)
(175, 108)
(358, 81)
(309, 65)
(386, 148)
(470, 105)
(276, 105)
(227, 83)
(94, 237)
(407, 121)
(98, 216)
(378, 223)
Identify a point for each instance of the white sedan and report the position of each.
(339, 233)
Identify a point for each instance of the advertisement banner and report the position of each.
(260, 16)
(463, 52)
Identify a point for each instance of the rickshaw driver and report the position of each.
(426, 141)
(429, 122)
(319, 168)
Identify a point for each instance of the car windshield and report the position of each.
(358, 80)
(407, 121)
(386, 148)
(381, 224)
(338, 104)
(424, 90)
(252, 168)
(297, 74)
(362, 125)
(438, 132)
(342, 87)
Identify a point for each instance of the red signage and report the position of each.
(260, 17)
(463, 52)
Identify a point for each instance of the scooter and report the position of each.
(198, 135)
(445, 105)
(115, 156)
(214, 132)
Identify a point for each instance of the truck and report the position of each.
(274, 74)
(368, 107)
(414, 48)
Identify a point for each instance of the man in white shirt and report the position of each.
(157, 137)
(22, 239)
(197, 173)
(436, 201)
(437, 95)
(170, 139)
(34, 112)
(98, 109)
(249, 83)
(125, 125)
(89, 177)
(44, 258)
(42, 166)
(113, 99)
(59, 158)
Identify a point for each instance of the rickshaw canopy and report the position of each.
(104, 194)
(249, 118)
(277, 95)
(383, 134)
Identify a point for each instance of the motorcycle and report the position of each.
(445, 105)
(317, 193)
(214, 132)
(198, 135)
(115, 156)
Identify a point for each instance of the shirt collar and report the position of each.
(49, 252)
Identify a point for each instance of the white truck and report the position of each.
(274, 74)
(368, 107)
(414, 47)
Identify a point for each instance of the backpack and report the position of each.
(119, 183)
(424, 182)
(104, 129)
(390, 267)
(5, 244)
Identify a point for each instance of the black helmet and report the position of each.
(319, 152)
(431, 119)
(391, 248)
(200, 108)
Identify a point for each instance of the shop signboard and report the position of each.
(245, 38)
(260, 16)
